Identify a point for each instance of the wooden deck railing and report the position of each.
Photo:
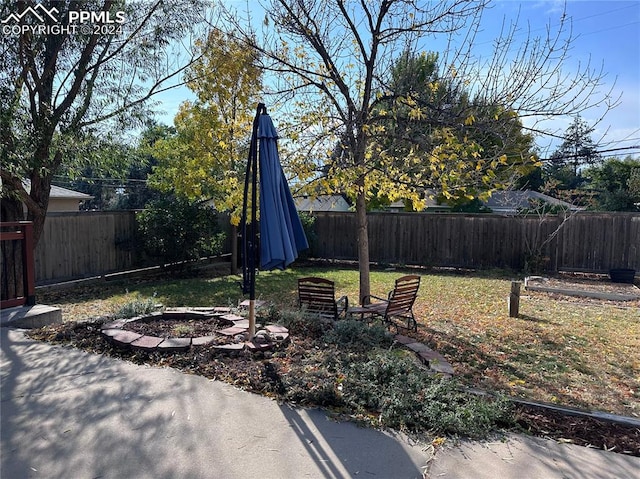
(18, 269)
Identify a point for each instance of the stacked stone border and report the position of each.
(236, 327)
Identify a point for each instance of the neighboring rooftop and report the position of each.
(321, 203)
(60, 192)
(511, 202)
(62, 199)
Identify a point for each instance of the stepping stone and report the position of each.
(404, 339)
(175, 344)
(202, 340)
(428, 356)
(120, 336)
(275, 328)
(230, 347)
(254, 346)
(232, 331)
(258, 303)
(442, 367)
(198, 315)
(147, 342)
(245, 324)
(419, 347)
(232, 317)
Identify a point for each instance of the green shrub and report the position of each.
(308, 222)
(137, 307)
(406, 397)
(358, 335)
(301, 324)
(174, 229)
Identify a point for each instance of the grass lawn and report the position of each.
(576, 353)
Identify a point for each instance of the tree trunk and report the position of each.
(234, 249)
(37, 212)
(363, 247)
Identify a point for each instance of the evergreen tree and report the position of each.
(576, 152)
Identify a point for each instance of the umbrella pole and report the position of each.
(254, 219)
(252, 319)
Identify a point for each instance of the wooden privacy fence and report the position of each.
(83, 244)
(594, 242)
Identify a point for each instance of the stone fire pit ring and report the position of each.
(235, 327)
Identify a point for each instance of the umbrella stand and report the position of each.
(249, 239)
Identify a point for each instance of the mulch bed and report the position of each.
(245, 371)
(178, 328)
(583, 431)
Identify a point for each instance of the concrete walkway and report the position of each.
(69, 414)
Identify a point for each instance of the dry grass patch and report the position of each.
(560, 350)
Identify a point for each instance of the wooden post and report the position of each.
(29, 264)
(514, 299)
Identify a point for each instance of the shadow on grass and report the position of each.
(526, 317)
(498, 372)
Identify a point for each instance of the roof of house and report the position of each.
(60, 192)
(522, 199)
(430, 203)
(321, 203)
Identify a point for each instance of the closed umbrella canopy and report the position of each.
(281, 232)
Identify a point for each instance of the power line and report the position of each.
(88, 178)
(595, 152)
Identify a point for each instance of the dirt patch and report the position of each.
(178, 328)
(583, 431)
(588, 289)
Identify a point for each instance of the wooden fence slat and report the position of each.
(593, 242)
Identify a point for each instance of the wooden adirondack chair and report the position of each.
(317, 296)
(398, 305)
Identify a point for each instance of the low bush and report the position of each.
(397, 393)
(137, 307)
(358, 335)
(174, 229)
(299, 323)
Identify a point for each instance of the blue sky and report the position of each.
(606, 34)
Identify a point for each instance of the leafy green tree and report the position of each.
(58, 85)
(206, 158)
(100, 166)
(136, 192)
(616, 183)
(175, 229)
(495, 131)
(332, 58)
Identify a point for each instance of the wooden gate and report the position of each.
(18, 270)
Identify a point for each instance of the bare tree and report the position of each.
(331, 60)
(63, 76)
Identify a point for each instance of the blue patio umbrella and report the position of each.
(281, 234)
